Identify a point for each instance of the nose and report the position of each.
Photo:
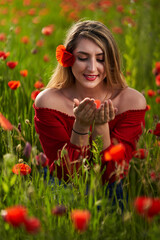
(92, 65)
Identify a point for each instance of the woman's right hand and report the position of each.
(84, 111)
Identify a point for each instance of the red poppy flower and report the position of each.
(24, 73)
(148, 107)
(14, 84)
(117, 30)
(59, 210)
(4, 123)
(41, 159)
(40, 43)
(120, 8)
(12, 64)
(48, 30)
(147, 207)
(15, 215)
(4, 55)
(140, 153)
(21, 168)
(32, 11)
(80, 219)
(116, 153)
(157, 99)
(157, 65)
(158, 80)
(25, 39)
(98, 103)
(38, 85)
(3, 37)
(34, 94)
(151, 93)
(65, 58)
(157, 130)
(46, 58)
(32, 225)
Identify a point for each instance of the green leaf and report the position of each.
(5, 187)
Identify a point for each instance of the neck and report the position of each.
(100, 92)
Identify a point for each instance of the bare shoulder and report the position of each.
(47, 98)
(131, 99)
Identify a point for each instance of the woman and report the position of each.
(66, 111)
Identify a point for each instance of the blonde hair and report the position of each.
(96, 31)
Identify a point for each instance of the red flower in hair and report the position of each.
(21, 168)
(147, 207)
(80, 219)
(14, 84)
(65, 58)
(14, 215)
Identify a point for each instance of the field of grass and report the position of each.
(25, 41)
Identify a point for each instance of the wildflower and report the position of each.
(157, 130)
(59, 210)
(32, 225)
(21, 168)
(148, 107)
(120, 8)
(14, 84)
(116, 153)
(2, 37)
(46, 58)
(26, 2)
(98, 103)
(158, 80)
(36, 20)
(157, 65)
(65, 58)
(48, 30)
(4, 55)
(34, 94)
(14, 215)
(24, 73)
(157, 99)
(140, 153)
(17, 30)
(151, 93)
(4, 123)
(27, 150)
(12, 64)
(41, 159)
(80, 219)
(40, 43)
(32, 11)
(147, 207)
(38, 85)
(25, 39)
(117, 30)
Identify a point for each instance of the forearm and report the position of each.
(80, 135)
(103, 131)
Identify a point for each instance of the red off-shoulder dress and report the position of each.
(55, 128)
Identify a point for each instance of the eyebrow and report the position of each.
(98, 54)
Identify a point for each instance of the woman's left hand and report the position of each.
(105, 113)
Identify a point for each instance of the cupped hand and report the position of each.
(105, 113)
(84, 111)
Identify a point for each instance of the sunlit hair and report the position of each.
(96, 31)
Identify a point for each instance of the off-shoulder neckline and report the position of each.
(69, 116)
